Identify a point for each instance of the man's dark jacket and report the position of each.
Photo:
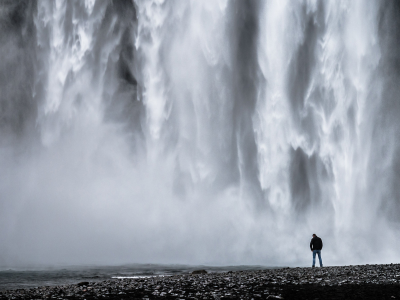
(316, 243)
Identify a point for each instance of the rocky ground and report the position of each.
(349, 282)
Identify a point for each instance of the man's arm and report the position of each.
(322, 244)
(311, 245)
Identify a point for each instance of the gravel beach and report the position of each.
(346, 282)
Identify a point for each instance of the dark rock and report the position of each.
(196, 272)
(83, 283)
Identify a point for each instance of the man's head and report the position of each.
(314, 235)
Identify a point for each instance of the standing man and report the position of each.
(316, 247)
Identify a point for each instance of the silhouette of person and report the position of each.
(316, 247)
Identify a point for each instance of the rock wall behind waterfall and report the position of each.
(17, 67)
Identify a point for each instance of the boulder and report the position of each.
(196, 272)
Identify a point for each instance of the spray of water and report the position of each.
(216, 132)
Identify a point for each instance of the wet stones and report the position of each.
(350, 282)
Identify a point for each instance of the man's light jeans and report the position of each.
(319, 256)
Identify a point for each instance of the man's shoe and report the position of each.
(313, 266)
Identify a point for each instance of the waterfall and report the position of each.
(215, 132)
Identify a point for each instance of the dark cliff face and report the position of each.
(384, 115)
(122, 101)
(17, 67)
(246, 77)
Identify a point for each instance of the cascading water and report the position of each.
(218, 132)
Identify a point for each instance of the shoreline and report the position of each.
(347, 282)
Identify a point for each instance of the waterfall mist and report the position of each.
(202, 132)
